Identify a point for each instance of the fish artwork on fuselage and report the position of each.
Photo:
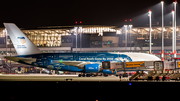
(49, 60)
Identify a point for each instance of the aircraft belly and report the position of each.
(63, 68)
(71, 68)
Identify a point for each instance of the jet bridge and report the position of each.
(125, 66)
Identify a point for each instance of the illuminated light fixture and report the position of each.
(147, 29)
(76, 22)
(150, 12)
(80, 22)
(125, 19)
(130, 20)
(162, 1)
(175, 1)
(134, 29)
(159, 28)
(164, 29)
(130, 25)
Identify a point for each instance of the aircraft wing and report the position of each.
(79, 64)
(20, 60)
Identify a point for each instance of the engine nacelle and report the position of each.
(108, 71)
(92, 68)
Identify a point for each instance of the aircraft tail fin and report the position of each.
(22, 44)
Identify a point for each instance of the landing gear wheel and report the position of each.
(177, 79)
(87, 75)
(94, 75)
(79, 75)
(105, 75)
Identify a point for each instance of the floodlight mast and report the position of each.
(125, 37)
(175, 28)
(173, 32)
(162, 50)
(150, 31)
(130, 26)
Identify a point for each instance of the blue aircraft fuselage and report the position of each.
(49, 60)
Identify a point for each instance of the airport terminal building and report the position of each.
(94, 38)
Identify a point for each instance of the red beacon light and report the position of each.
(76, 22)
(130, 20)
(125, 19)
(80, 22)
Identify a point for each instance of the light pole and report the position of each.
(175, 28)
(149, 31)
(80, 38)
(76, 31)
(173, 32)
(162, 50)
(125, 37)
(130, 26)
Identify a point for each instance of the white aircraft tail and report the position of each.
(22, 44)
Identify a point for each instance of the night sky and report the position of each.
(31, 14)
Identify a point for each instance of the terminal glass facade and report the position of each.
(52, 37)
(138, 37)
(65, 36)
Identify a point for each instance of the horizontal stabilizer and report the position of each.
(20, 60)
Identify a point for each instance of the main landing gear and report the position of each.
(89, 75)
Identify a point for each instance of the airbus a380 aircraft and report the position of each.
(29, 54)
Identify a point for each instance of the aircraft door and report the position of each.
(46, 63)
(106, 65)
(158, 65)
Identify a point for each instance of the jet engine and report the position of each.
(91, 68)
(108, 71)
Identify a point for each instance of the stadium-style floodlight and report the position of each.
(149, 31)
(130, 26)
(125, 37)
(173, 31)
(175, 28)
(162, 50)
